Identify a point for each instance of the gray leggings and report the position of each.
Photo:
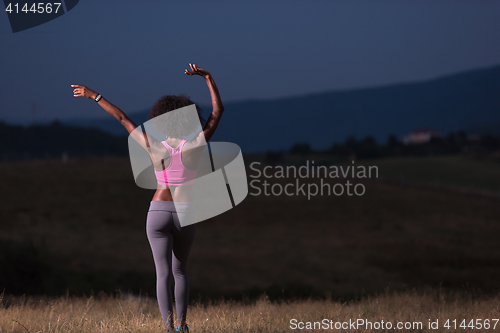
(170, 244)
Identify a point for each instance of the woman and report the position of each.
(175, 161)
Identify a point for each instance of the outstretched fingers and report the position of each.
(81, 91)
(194, 70)
(77, 91)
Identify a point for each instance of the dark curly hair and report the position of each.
(179, 124)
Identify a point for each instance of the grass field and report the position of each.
(459, 171)
(456, 171)
(386, 312)
(80, 226)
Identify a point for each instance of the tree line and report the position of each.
(368, 147)
(56, 140)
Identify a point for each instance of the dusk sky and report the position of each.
(133, 52)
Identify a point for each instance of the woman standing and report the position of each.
(175, 161)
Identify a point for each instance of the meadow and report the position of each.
(78, 228)
(409, 311)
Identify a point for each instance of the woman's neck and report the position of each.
(174, 142)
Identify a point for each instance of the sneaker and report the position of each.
(183, 328)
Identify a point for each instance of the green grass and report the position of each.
(86, 221)
(457, 171)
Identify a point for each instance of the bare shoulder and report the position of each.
(198, 141)
(158, 151)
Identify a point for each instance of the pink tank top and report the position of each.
(176, 173)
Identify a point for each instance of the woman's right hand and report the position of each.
(195, 70)
(82, 91)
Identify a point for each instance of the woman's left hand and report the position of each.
(82, 91)
(195, 70)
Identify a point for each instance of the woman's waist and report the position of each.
(175, 177)
(171, 206)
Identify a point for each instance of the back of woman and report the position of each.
(175, 162)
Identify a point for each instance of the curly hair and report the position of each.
(179, 124)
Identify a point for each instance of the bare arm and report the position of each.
(218, 108)
(130, 126)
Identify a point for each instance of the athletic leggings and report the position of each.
(170, 244)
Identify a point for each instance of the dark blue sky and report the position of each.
(133, 52)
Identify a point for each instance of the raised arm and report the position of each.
(130, 126)
(218, 108)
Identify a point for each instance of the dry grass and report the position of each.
(91, 217)
(104, 313)
(86, 220)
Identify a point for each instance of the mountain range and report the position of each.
(467, 101)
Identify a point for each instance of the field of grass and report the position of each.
(80, 226)
(456, 171)
(385, 312)
(459, 171)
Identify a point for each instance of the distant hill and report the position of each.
(55, 139)
(108, 123)
(492, 129)
(467, 101)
